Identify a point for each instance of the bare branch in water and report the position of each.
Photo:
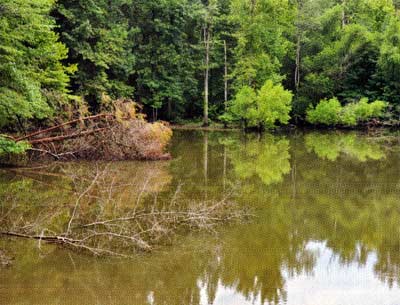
(105, 219)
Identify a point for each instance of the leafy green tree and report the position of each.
(100, 44)
(245, 100)
(327, 112)
(342, 53)
(262, 32)
(274, 105)
(210, 11)
(389, 62)
(30, 62)
(262, 109)
(167, 72)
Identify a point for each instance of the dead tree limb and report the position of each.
(93, 117)
(70, 136)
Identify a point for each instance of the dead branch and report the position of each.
(93, 117)
(79, 198)
(99, 224)
(65, 137)
(5, 260)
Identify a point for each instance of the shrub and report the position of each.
(348, 115)
(327, 112)
(9, 146)
(226, 118)
(331, 113)
(362, 111)
(265, 108)
(274, 104)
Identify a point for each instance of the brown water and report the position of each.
(326, 227)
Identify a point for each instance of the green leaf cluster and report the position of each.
(30, 61)
(263, 108)
(9, 146)
(100, 42)
(331, 112)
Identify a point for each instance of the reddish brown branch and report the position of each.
(70, 136)
(93, 117)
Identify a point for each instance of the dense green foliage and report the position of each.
(8, 146)
(264, 108)
(32, 79)
(331, 112)
(98, 38)
(179, 58)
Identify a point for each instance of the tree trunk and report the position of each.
(225, 76)
(93, 117)
(343, 13)
(169, 110)
(298, 54)
(206, 74)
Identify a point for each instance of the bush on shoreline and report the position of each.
(264, 108)
(332, 113)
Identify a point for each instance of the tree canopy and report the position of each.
(182, 59)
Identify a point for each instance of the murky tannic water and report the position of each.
(326, 227)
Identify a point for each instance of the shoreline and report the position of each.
(362, 128)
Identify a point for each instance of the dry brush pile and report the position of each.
(121, 135)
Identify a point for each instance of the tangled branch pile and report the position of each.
(122, 135)
(103, 217)
(138, 231)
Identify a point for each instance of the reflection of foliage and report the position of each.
(267, 158)
(330, 146)
(351, 207)
(105, 213)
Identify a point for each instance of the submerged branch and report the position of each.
(95, 220)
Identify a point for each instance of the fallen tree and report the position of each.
(121, 135)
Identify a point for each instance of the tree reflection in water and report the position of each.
(321, 200)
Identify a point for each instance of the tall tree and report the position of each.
(263, 30)
(168, 52)
(32, 78)
(100, 43)
(343, 52)
(211, 10)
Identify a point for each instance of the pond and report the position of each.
(325, 228)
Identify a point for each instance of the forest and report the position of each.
(200, 152)
(254, 63)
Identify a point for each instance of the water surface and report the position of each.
(326, 226)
